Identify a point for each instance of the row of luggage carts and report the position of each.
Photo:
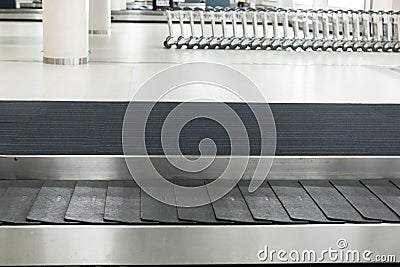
(283, 29)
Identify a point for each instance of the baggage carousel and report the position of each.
(67, 197)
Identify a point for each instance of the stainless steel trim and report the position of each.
(120, 16)
(125, 15)
(138, 15)
(100, 32)
(190, 244)
(114, 167)
(65, 61)
(20, 14)
(31, 5)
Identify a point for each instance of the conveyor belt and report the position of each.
(123, 202)
(276, 202)
(202, 214)
(94, 128)
(264, 204)
(365, 201)
(52, 202)
(331, 202)
(17, 201)
(297, 202)
(88, 202)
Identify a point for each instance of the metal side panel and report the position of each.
(114, 167)
(128, 245)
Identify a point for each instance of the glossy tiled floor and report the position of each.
(121, 62)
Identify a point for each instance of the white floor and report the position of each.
(121, 62)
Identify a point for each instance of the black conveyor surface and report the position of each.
(263, 203)
(297, 202)
(386, 192)
(365, 201)
(331, 202)
(203, 214)
(88, 202)
(94, 128)
(124, 203)
(17, 200)
(52, 202)
(155, 211)
(232, 207)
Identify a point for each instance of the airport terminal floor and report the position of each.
(124, 61)
(323, 159)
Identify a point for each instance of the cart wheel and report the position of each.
(213, 45)
(306, 46)
(192, 43)
(376, 48)
(386, 47)
(234, 44)
(167, 44)
(202, 45)
(244, 45)
(366, 47)
(396, 47)
(336, 46)
(169, 41)
(254, 45)
(224, 44)
(347, 46)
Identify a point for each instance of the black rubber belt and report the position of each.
(4, 184)
(232, 207)
(156, 211)
(263, 204)
(396, 182)
(387, 192)
(201, 214)
(297, 202)
(123, 202)
(18, 200)
(94, 128)
(52, 202)
(365, 201)
(88, 202)
(331, 202)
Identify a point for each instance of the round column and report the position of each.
(99, 16)
(65, 32)
(117, 5)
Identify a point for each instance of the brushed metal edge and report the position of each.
(115, 168)
(65, 61)
(227, 244)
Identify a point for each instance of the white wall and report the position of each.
(382, 4)
(347, 4)
(396, 4)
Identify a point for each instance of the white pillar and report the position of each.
(320, 4)
(99, 16)
(118, 5)
(65, 32)
(285, 3)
